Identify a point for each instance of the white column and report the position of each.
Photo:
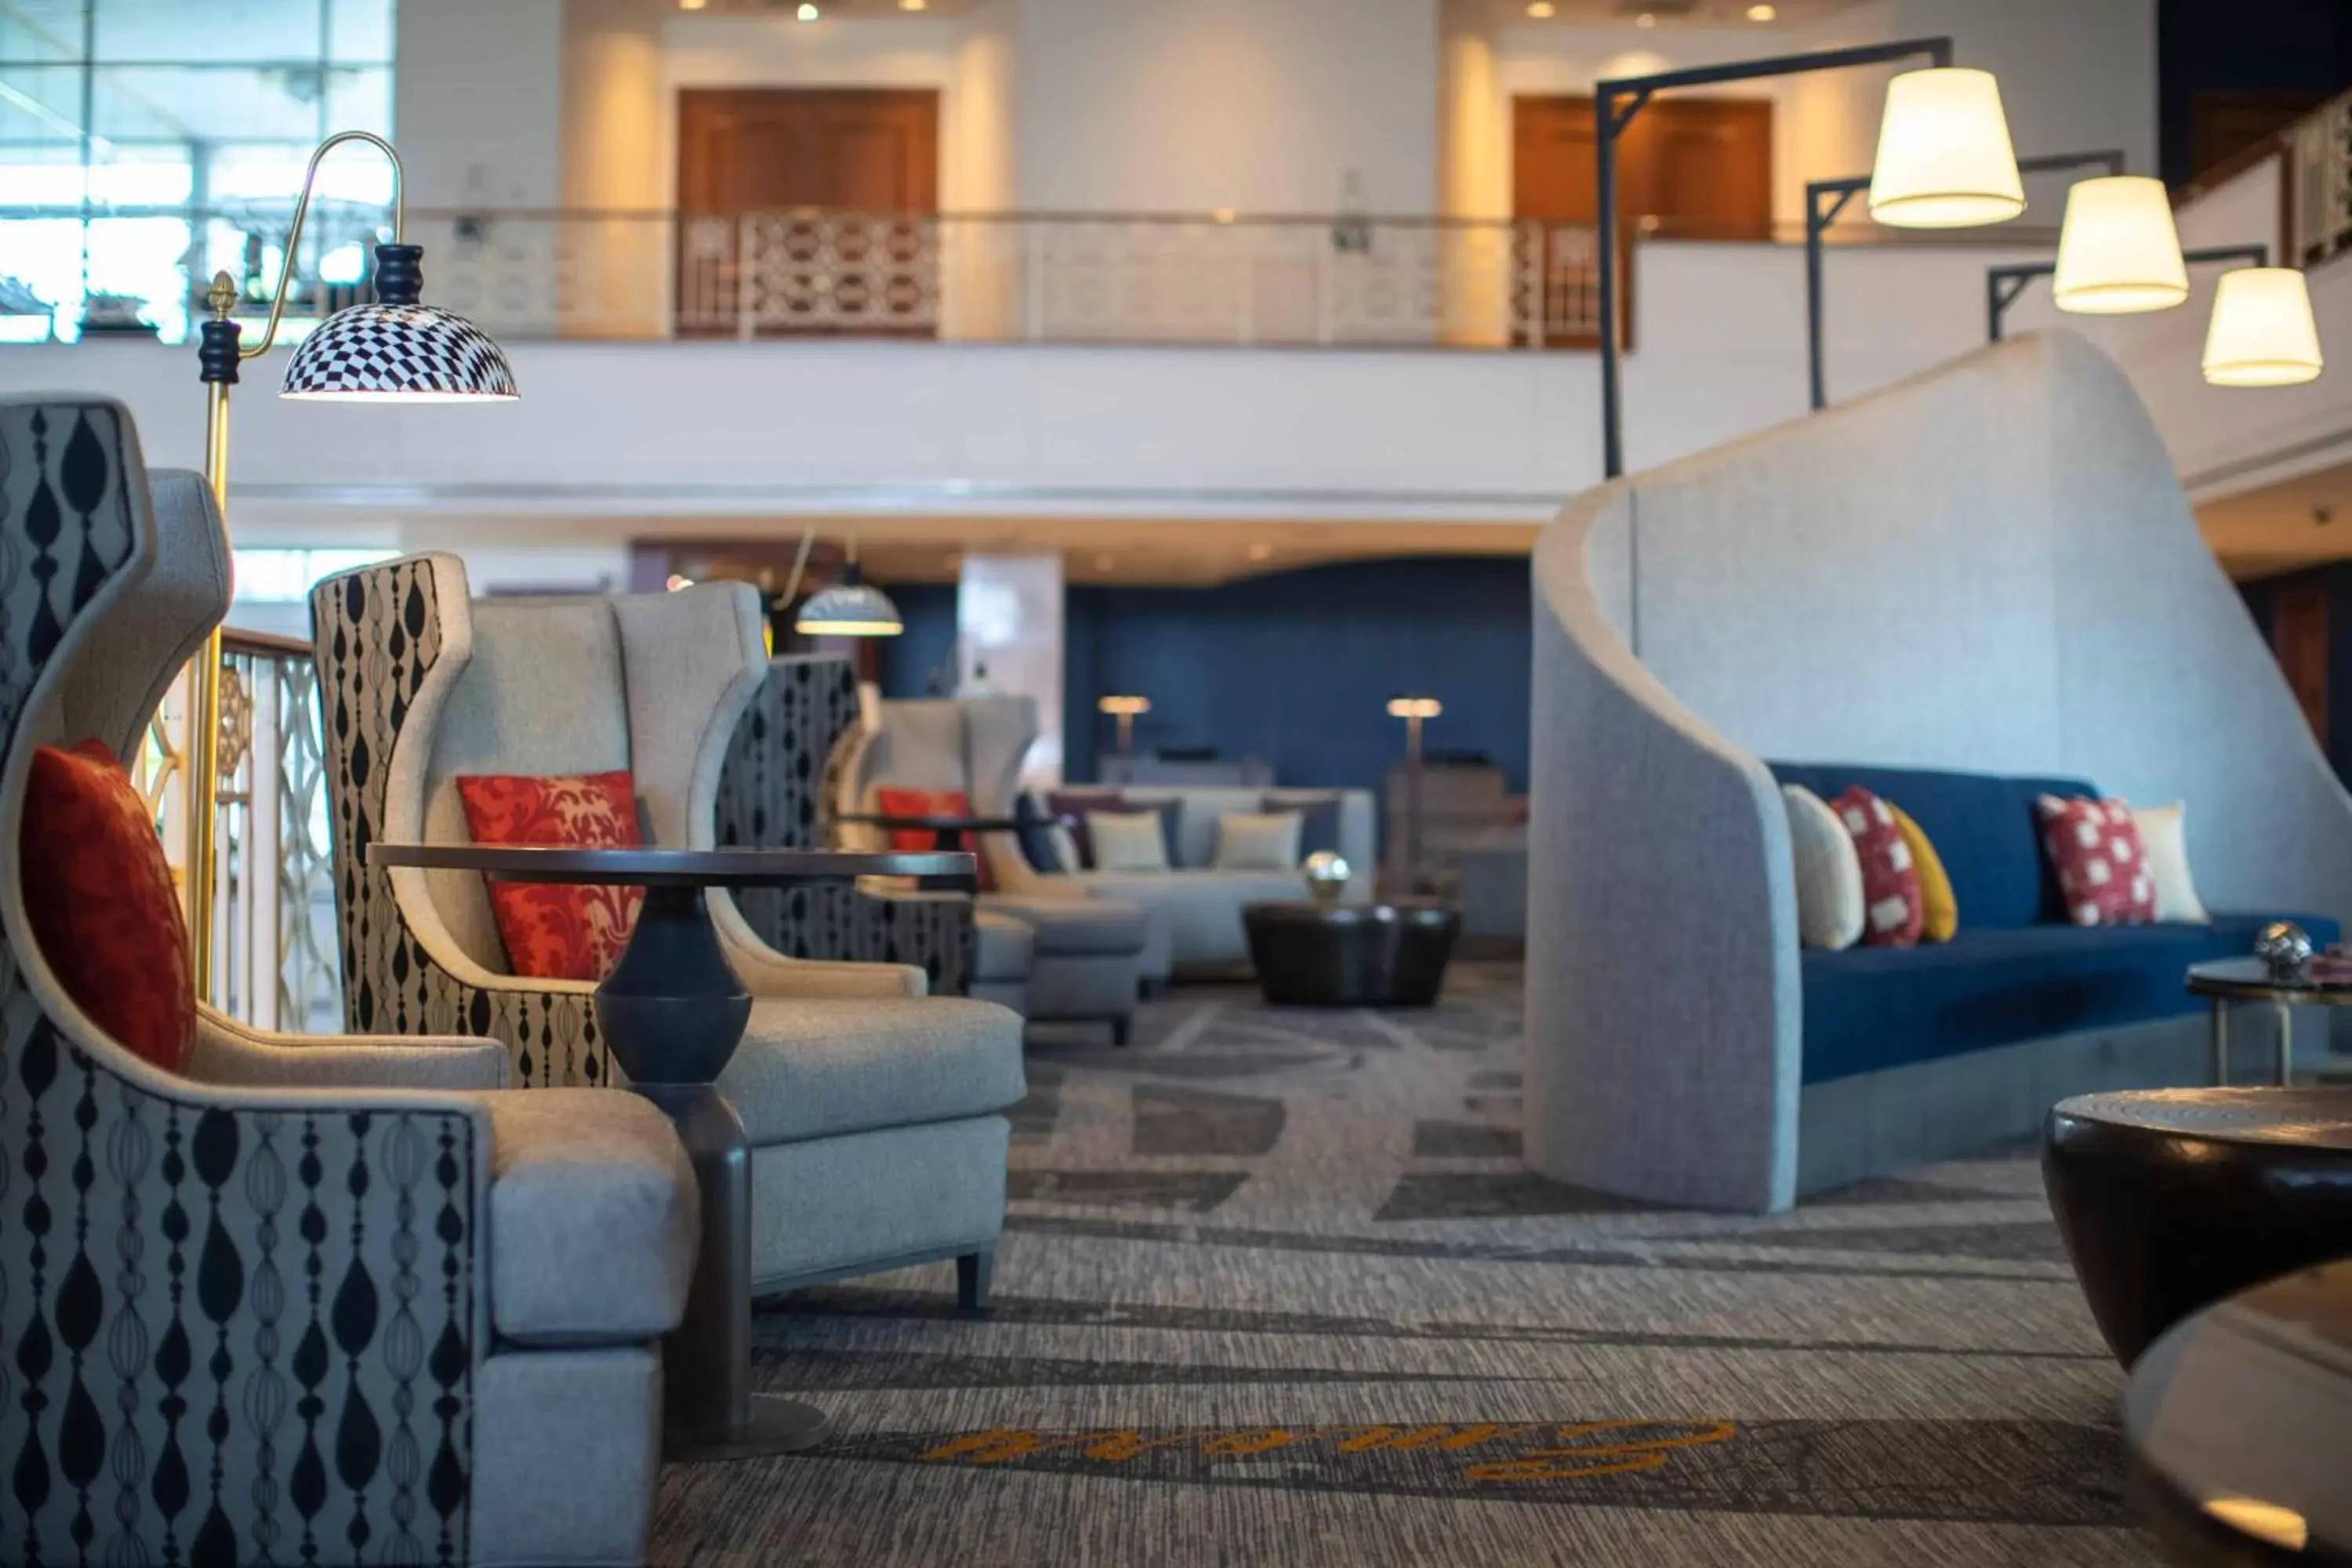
(1009, 622)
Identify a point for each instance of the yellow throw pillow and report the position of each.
(1941, 911)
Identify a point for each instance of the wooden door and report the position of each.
(1687, 168)
(808, 210)
(2299, 639)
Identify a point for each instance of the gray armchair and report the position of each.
(316, 1296)
(874, 1111)
(770, 793)
(1054, 958)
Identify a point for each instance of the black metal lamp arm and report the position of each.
(1610, 122)
(2004, 284)
(1819, 218)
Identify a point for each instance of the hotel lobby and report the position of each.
(1175, 781)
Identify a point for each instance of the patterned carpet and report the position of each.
(1276, 1288)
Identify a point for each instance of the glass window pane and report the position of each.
(242, 30)
(272, 103)
(361, 99)
(39, 103)
(41, 30)
(360, 30)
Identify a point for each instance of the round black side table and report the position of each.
(2169, 1199)
(1309, 954)
(2227, 981)
(673, 1011)
(2238, 1419)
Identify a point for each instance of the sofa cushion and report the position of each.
(1040, 845)
(1871, 1007)
(1982, 826)
(2094, 848)
(593, 1217)
(557, 931)
(1129, 841)
(1200, 910)
(1830, 909)
(1893, 908)
(1939, 912)
(812, 1067)
(1003, 949)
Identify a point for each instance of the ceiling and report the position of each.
(1168, 553)
(2300, 522)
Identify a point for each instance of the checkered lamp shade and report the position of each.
(404, 350)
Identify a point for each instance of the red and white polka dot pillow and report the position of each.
(1892, 909)
(2101, 861)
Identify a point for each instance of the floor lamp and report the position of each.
(1943, 162)
(1415, 712)
(1125, 708)
(392, 350)
(1836, 194)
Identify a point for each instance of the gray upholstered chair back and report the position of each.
(800, 727)
(242, 1323)
(421, 684)
(976, 744)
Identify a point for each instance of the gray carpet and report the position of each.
(1276, 1288)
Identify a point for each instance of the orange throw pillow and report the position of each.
(928, 803)
(551, 932)
(98, 894)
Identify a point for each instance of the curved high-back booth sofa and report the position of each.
(1987, 576)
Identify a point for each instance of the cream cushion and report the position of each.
(1127, 841)
(1830, 911)
(815, 1067)
(1257, 841)
(2164, 839)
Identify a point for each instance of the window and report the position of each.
(145, 144)
(270, 575)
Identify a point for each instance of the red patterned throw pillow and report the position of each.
(554, 933)
(926, 803)
(98, 894)
(2101, 862)
(1892, 908)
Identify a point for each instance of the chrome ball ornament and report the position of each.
(2282, 946)
(1327, 873)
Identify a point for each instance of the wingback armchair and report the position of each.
(771, 794)
(873, 1110)
(1065, 958)
(317, 1298)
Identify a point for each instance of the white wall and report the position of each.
(1144, 105)
(477, 102)
(616, 439)
(2075, 75)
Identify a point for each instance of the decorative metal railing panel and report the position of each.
(273, 911)
(1337, 281)
(2319, 183)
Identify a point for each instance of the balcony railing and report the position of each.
(2318, 160)
(1334, 280)
(273, 899)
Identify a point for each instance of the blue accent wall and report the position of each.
(1297, 666)
(1294, 667)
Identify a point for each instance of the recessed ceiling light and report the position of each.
(1224, 214)
(1646, 20)
(807, 13)
(1542, 10)
(912, 5)
(1260, 551)
(1761, 13)
(691, 4)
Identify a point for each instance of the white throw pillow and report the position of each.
(1065, 847)
(2164, 839)
(1257, 841)
(1127, 841)
(1830, 910)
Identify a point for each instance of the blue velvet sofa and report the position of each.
(2016, 970)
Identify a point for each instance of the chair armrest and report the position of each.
(230, 1056)
(769, 973)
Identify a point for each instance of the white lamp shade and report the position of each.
(2119, 252)
(1944, 154)
(2262, 333)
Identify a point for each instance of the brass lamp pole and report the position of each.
(395, 347)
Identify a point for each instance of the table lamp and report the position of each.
(1125, 708)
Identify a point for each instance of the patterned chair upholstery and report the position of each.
(321, 1300)
(1065, 958)
(874, 1111)
(770, 793)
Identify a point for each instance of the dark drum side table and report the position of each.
(1310, 954)
(673, 1011)
(2237, 1422)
